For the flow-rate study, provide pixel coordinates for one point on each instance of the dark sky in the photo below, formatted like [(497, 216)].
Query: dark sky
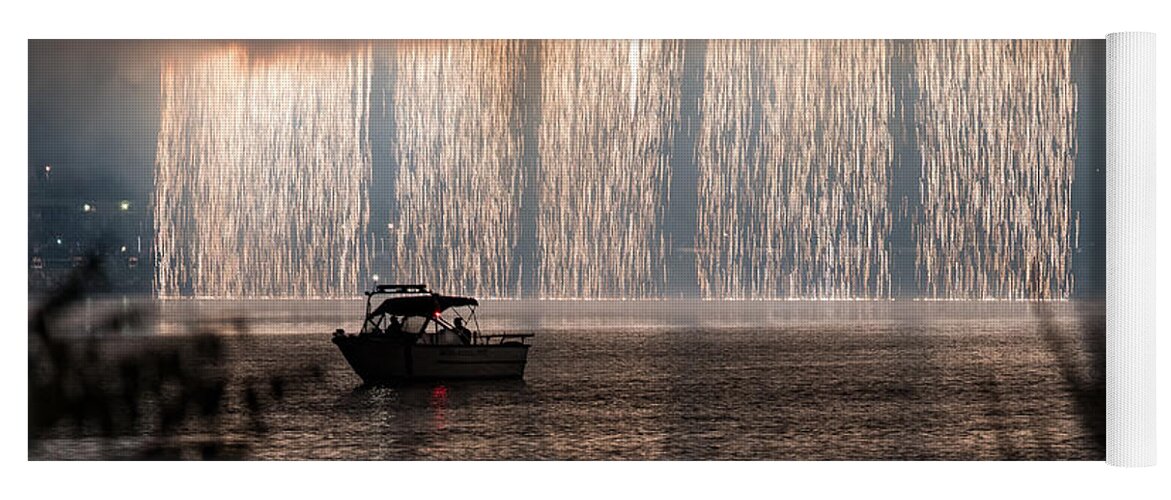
[(93, 116)]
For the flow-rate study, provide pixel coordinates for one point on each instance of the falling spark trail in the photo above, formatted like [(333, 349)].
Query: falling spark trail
[(634, 61)]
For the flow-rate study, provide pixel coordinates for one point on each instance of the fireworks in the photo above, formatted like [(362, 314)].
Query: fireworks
[(997, 137), (459, 152), (264, 168), (793, 154), (604, 165), (261, 174)]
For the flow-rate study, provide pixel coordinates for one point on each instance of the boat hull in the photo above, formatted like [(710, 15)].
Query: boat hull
[(380, 360)]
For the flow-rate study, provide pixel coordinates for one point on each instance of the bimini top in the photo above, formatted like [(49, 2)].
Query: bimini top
[(421, 305)]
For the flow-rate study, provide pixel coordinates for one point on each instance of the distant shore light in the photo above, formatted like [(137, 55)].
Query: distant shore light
[(87, 208), (124, 205)]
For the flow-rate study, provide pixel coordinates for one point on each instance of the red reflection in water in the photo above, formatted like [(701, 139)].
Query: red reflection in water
[(439, 406)]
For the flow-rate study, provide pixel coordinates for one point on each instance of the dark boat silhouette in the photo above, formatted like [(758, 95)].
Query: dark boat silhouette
[(406, 338)]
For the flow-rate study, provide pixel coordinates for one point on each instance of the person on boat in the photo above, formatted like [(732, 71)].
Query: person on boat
[(464, 333), (395, 327)]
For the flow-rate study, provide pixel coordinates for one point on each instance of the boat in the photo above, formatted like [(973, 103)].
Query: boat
[(406, 337)]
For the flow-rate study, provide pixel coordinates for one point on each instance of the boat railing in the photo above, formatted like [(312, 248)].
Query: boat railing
[(505, 337)]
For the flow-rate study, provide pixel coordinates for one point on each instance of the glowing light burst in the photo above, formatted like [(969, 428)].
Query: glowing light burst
[(261, 173)]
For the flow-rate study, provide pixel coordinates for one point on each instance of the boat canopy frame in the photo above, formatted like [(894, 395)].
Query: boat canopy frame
[(417, 301)]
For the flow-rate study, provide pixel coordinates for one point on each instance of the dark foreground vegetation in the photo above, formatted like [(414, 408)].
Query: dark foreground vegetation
[(133, 395)]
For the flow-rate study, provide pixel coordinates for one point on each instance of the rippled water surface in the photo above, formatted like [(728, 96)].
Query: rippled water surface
[(774, 380)]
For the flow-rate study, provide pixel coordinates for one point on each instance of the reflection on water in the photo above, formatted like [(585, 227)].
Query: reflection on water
[(913, 383), (438, 405)]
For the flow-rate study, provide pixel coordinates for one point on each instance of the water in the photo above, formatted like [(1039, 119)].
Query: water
[(645, 380)]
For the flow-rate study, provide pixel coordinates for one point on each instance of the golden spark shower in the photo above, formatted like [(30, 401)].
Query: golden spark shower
[(998, 142), (846, 169), (459, 156), (604, 166), (261, 173), (793, 152)]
